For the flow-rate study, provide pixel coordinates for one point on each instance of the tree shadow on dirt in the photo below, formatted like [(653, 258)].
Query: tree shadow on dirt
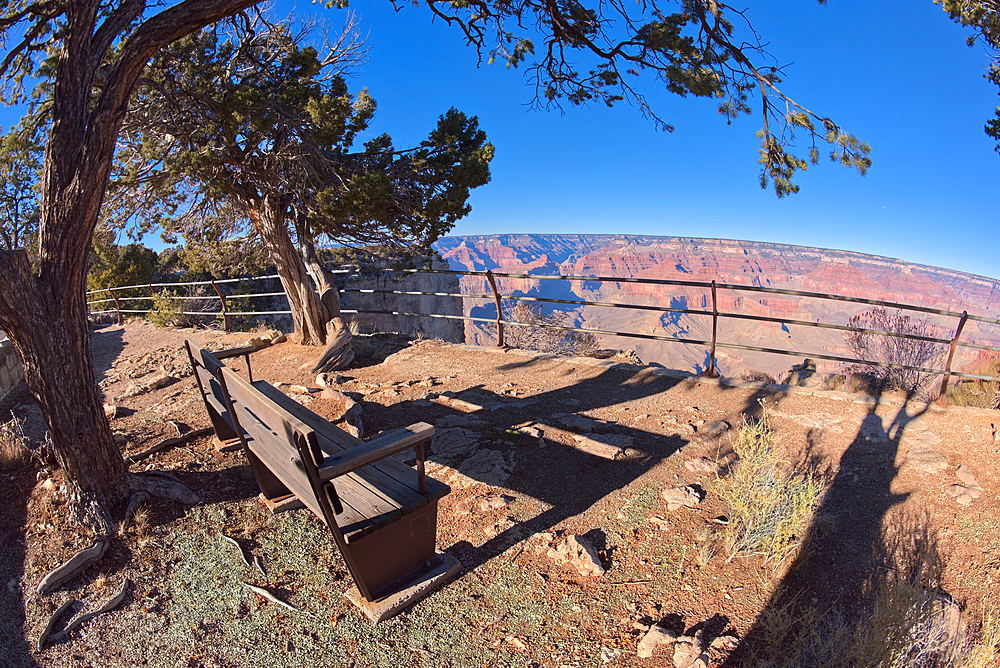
[(567, 480), (16, 652), (843, 551)]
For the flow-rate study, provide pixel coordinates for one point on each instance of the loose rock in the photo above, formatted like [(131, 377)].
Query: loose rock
[(486, 466), (701, 465), (577, 552), (655, 637), (677, 497)]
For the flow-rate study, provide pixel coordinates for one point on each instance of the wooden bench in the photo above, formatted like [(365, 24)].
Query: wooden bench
[(382, 514), (205, 366)]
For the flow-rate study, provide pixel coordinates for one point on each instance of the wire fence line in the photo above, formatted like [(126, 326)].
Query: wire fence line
[(953, 342)]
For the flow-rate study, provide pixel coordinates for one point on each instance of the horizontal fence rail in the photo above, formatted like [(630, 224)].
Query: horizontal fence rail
[(118, 295)]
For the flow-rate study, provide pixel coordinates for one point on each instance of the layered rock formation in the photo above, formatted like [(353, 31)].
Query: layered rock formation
[(741, 263)]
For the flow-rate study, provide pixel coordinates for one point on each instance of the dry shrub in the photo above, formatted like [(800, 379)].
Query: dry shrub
[(978, 393), (543, 331), (879, 346), (14, 451), (904, 620), (770, 506)]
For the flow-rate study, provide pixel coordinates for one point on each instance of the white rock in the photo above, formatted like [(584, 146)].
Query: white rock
[(578, 553), (925, 459), (448, 444), (656, 637), (701, 465), (965, 475), (686, 651), (678, 497), (490, 467)]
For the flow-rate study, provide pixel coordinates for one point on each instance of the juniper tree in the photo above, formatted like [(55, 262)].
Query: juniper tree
[(252, 118)]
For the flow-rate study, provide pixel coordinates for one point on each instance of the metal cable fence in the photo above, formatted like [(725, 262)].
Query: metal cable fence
[(712, 288)]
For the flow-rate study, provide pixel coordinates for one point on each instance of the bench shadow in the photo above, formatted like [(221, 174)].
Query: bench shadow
[(566, 479)]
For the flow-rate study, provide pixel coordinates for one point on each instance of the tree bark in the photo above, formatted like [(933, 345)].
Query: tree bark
[(310, 313), (44, 313)]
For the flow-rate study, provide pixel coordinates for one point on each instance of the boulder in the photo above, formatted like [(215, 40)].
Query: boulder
[(578, 553)]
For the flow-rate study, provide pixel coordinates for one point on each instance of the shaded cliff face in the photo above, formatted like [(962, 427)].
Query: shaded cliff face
[(724, 261)]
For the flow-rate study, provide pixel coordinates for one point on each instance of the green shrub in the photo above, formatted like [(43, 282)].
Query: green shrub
[(166, 311), (770, 507)]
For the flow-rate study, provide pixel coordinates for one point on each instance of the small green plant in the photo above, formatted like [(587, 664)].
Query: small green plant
[(14, 451), (166, 309), (770, 507)]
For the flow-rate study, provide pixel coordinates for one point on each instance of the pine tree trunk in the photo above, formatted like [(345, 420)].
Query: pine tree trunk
[(309, 313), (50, 332), (338, 354)]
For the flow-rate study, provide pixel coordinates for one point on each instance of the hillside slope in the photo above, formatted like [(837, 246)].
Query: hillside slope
[(724, 261)]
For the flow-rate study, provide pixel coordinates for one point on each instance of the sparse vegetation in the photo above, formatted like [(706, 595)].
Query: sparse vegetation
[(169, 310), (878, 346), (758, 376), (978, 393), (908, 622), (14, 451), (770, 506), (537, 331)]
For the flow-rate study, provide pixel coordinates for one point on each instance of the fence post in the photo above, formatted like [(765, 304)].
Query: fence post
[(942, 399), (118, 305), (225, 311), (496, 297), (712, 371)]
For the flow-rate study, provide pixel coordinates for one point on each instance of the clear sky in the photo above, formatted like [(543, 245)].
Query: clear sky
[(899, 75)]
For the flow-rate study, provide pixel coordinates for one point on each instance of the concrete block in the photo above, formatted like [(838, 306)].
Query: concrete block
[(441, 570), (281, 504)]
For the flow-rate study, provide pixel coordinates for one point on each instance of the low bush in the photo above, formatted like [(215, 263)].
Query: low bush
[(538, 331), (770, 506), (14, 450), (878, 346), (978, 393)]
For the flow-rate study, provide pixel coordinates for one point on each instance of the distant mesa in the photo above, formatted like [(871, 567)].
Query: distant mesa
[(753, 263)]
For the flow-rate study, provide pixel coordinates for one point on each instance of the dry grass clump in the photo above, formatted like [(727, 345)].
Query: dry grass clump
[(978, 393), (14, 451), (907, 623), (770, 506)]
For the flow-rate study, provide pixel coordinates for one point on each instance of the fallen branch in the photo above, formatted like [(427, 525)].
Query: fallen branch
[(52, 622), (274, 599), (107, 607), (167, 443), (77, 563), (239, 547)]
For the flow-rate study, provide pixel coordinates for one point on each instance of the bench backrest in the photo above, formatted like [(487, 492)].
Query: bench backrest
[(285, 444)]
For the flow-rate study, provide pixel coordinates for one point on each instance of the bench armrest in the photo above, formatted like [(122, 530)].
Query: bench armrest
[(233, 352), (384, 446)]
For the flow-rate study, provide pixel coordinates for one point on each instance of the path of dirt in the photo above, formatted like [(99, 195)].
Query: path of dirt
[(512, 606)]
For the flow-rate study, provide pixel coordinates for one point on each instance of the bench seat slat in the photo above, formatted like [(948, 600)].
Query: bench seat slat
[(398, 478)]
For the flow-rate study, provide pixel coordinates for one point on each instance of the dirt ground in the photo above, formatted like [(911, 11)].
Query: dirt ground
[(186, 604)]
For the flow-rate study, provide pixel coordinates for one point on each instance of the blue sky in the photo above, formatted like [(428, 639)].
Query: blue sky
[(898, 75)]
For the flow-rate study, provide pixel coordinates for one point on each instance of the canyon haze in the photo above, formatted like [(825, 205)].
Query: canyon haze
[(749, 263)]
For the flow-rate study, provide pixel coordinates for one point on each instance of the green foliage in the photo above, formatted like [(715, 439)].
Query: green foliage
[(20, 167), (166, 310), (260, 125), (983, 16), (769, 507)]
